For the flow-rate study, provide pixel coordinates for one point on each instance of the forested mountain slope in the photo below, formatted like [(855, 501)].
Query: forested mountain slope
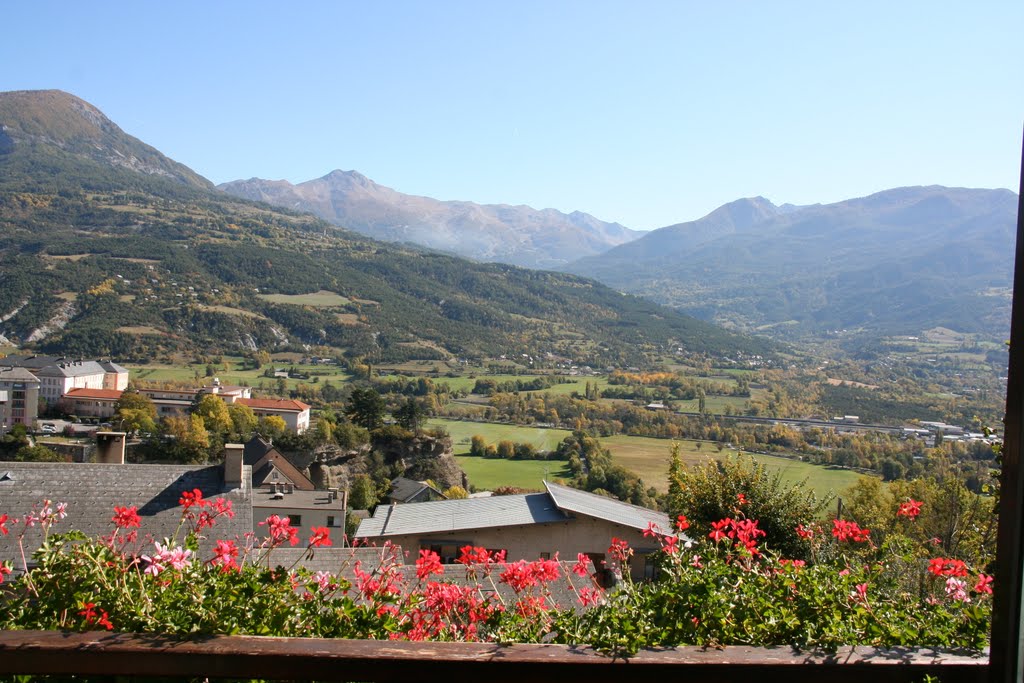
[(898, 261), (109, 248)]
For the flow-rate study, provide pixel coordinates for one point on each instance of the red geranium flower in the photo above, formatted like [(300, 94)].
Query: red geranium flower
[(912, 508), (3, 524), (429, 563), (943, 566), (682, 524), (281, 530), (849, 531), (191, 498), (984, 584), (126, 517), (321, 537), (718, 529)]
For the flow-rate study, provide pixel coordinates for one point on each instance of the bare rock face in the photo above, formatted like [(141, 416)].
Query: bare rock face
[(420, 457)]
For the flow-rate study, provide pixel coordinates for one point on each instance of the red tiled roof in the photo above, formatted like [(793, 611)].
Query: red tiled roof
[(274, 404), (108, 394)]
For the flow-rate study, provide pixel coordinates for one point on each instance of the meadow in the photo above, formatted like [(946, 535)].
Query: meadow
[(232, 371), (647, 457), (321, 299)]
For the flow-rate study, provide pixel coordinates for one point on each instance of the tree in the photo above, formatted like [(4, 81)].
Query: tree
[(477, 446), (214, 413), (411, 415), (191, 439), (362, 494), (366, 408), (135, 412), (506, 449), (243, 420), (37, 454), (453, 492), (712, 491), (272, 426), (324, 431)]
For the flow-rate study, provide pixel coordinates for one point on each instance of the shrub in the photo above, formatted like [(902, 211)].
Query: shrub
[(720, 489)]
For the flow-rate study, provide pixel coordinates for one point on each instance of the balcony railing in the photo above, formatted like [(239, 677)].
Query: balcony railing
[(123, 654)]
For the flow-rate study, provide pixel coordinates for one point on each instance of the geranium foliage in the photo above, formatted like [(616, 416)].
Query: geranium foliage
[(721, 586)]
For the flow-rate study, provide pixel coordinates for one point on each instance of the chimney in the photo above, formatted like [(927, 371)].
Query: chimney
[(233, 462), (110, 447)]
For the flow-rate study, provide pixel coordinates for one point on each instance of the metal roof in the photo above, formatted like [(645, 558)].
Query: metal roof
[(456, 515), (574, 501)]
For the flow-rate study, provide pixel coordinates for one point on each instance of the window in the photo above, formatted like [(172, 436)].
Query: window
[(295, 520), (330, 521)]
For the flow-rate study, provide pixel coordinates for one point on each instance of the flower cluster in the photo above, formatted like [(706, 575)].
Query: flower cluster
[(521, 575), (743, 532), (911, 509), (728, 587), (126, 517), (281, 530), (844, 530), (942, 566), (203, 513)]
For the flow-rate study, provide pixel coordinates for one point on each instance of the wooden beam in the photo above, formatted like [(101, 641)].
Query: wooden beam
[(1007, 645), (124, 654)]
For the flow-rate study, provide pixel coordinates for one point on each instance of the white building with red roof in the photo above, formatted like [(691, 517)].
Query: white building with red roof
[(91, 402), (294, 413)]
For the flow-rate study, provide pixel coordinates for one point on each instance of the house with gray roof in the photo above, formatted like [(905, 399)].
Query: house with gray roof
[(91, 490), (560, 520), (405, 490)]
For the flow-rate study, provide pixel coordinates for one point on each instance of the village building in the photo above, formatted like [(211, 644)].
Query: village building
[(405, 490), (561, 520), (19, 398), (101, 403), (294, 413), (59, 375)]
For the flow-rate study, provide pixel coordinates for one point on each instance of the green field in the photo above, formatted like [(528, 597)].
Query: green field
[(321, 299), (647, 457), (486, 474), (466, 383), (463, 432), (713, 404), (229, 372)]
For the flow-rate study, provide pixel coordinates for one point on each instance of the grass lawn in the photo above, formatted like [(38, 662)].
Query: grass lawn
[(484, 473), (463, 432)]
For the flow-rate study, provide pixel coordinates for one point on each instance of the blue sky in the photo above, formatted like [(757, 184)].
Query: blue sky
[(645, 113)]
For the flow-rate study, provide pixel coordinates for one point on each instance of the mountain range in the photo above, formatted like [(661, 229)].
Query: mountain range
[(896, 262), (519, 235), (109, 248)]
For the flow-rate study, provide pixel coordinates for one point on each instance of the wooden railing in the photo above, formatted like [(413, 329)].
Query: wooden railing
[(123, 654)]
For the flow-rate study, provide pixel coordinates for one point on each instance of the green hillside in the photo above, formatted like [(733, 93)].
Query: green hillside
[(106, 256)]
